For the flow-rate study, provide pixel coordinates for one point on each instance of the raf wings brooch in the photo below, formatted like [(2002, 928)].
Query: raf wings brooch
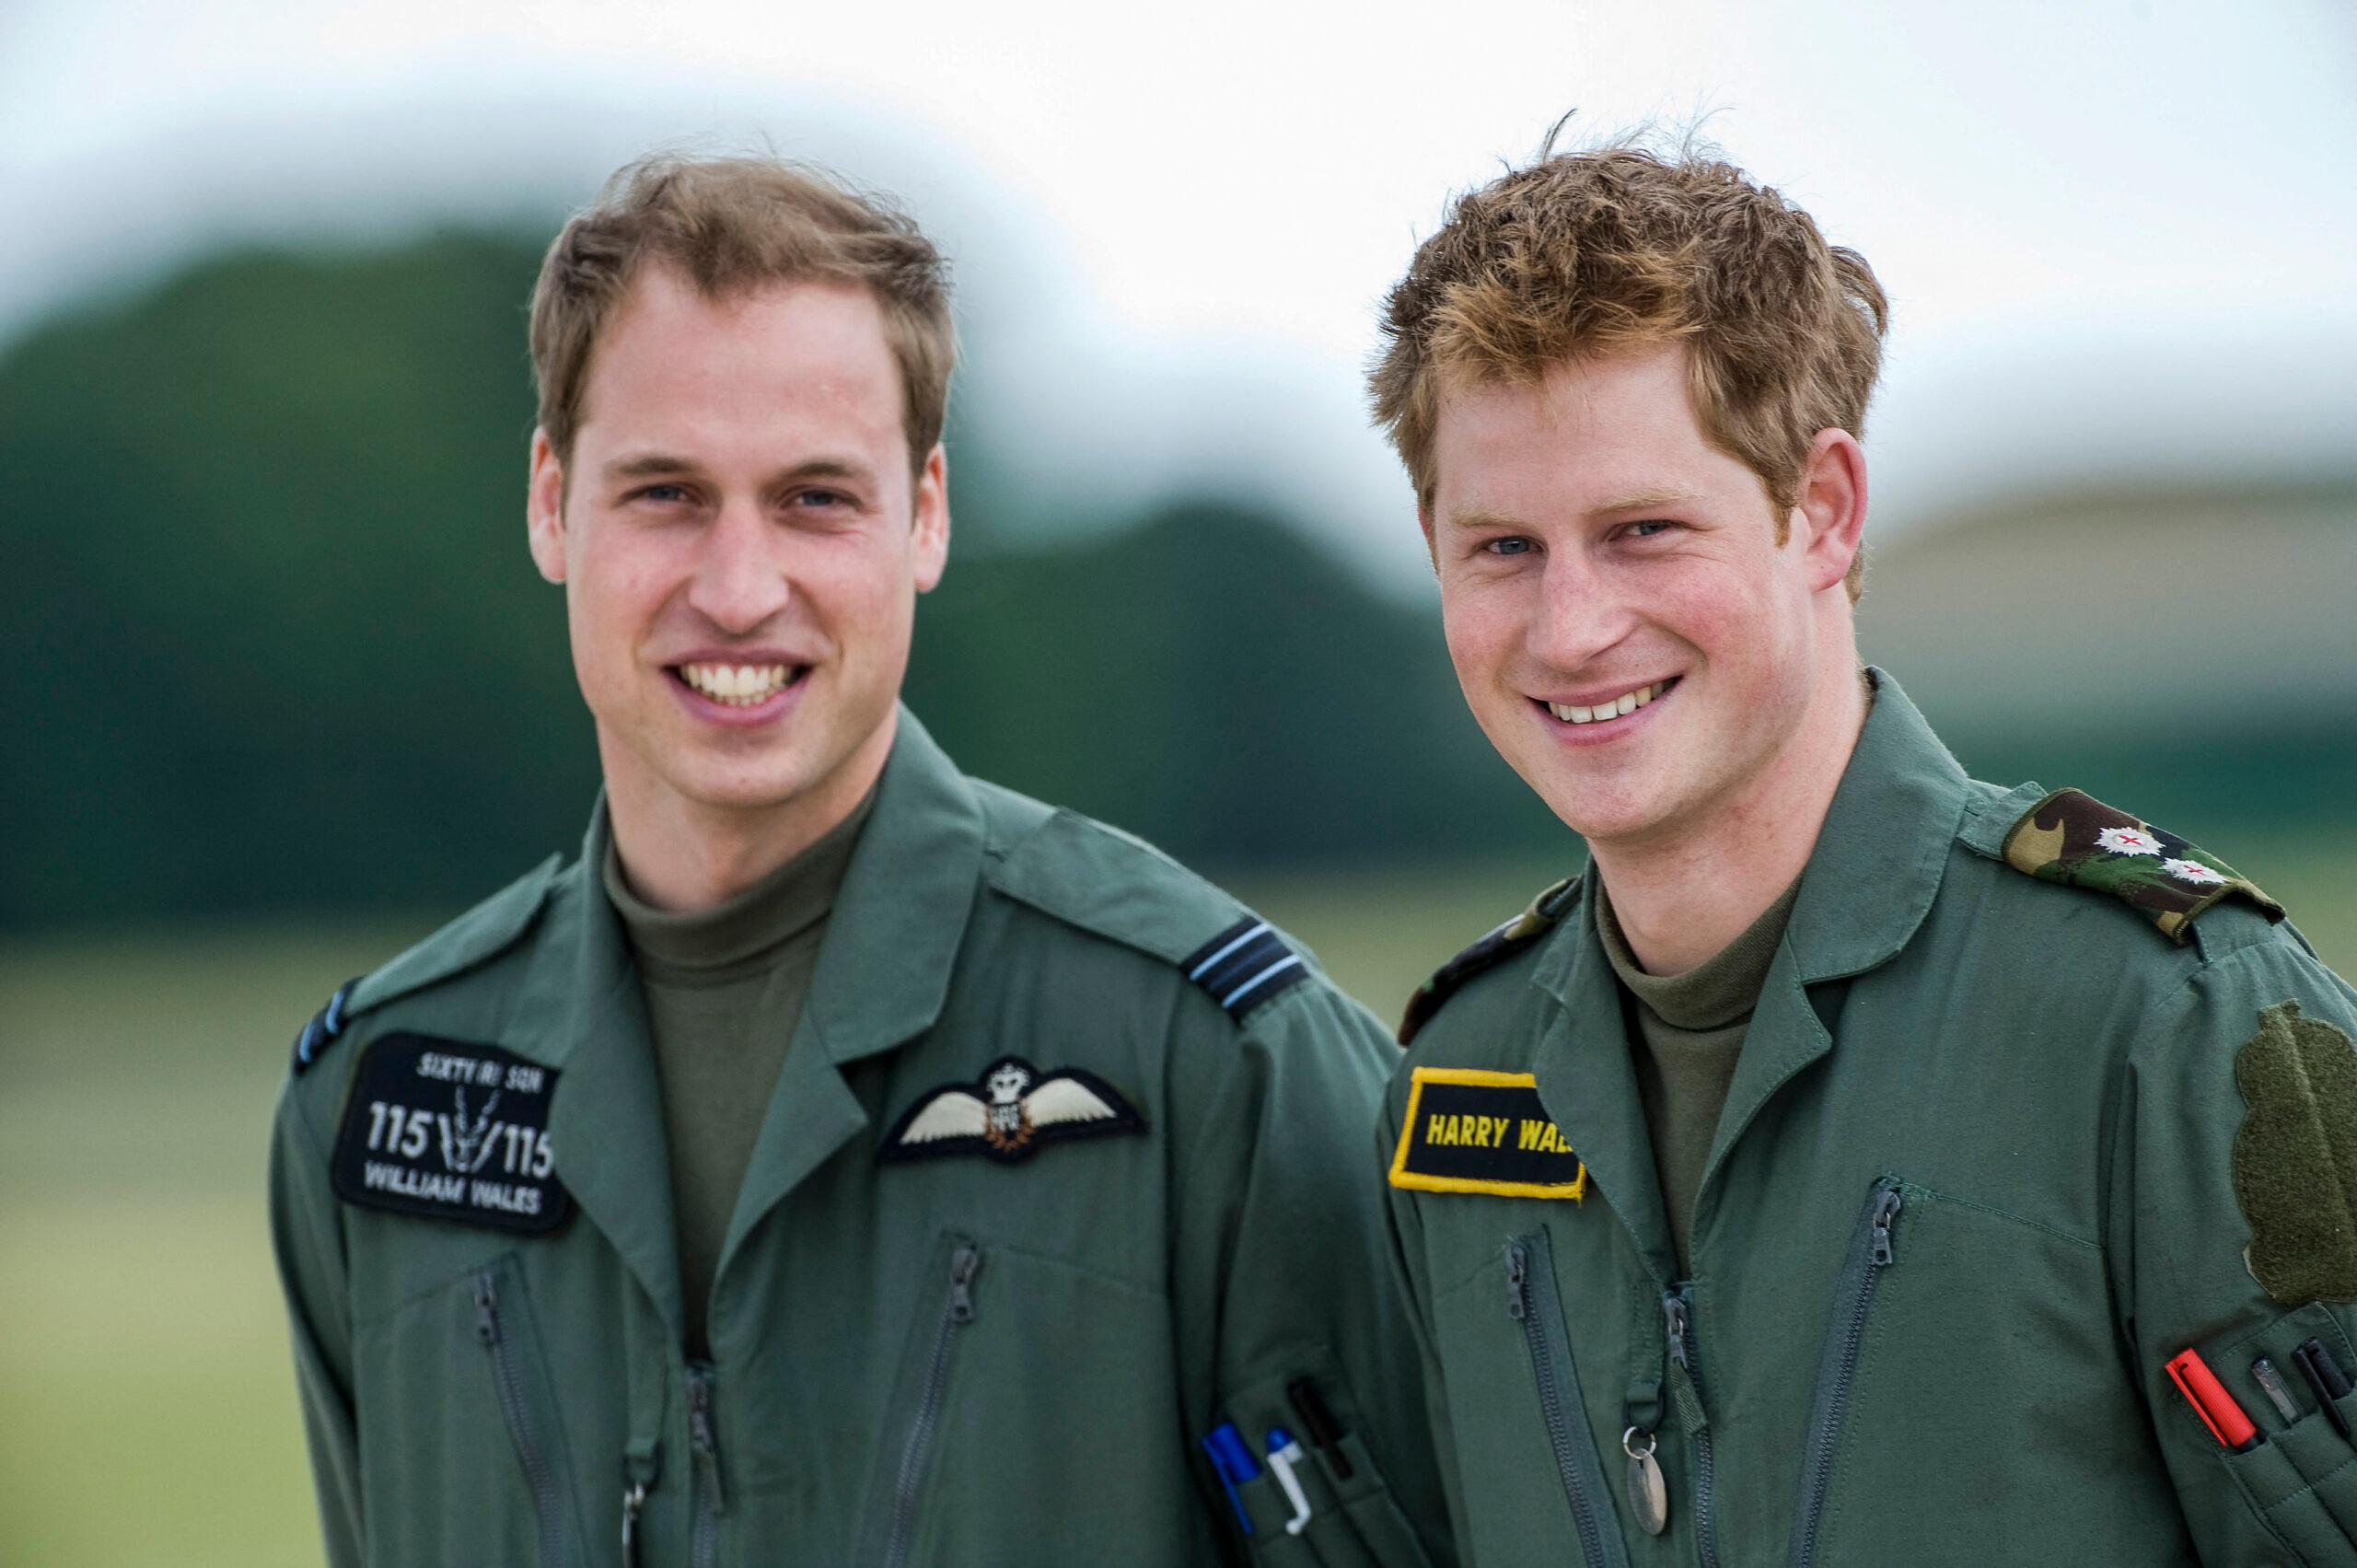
[(1009, 1113)]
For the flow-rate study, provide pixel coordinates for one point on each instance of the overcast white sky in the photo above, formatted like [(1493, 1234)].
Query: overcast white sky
[(2118, 233)]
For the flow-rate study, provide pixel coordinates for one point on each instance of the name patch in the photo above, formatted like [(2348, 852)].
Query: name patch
[(452, 1131), (1468, 1130)]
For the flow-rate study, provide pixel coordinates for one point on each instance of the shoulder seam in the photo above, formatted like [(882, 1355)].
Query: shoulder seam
[(1494, 951), (530, 892)]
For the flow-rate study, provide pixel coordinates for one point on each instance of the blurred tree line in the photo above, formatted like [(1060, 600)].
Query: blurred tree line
[(275, 646)]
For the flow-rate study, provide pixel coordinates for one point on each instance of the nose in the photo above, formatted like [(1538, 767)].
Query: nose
[(741, 575), (1581, 613)]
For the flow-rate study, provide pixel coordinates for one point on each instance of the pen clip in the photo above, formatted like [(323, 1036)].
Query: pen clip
[(1283, 1455)]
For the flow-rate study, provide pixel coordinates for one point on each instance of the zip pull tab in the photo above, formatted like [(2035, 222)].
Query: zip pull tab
[(1886, 1211), (704, 1437), (1648, 1493), (1517, 1288), (641, 1463), (1673, 1316), (633, 1500), (963, 1263), (486, 1310)]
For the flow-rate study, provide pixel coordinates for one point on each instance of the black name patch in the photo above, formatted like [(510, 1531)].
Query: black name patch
[(1468, 1130), (452, 1131)]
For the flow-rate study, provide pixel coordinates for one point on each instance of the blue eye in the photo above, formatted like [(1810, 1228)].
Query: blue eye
[(1648, 529), (1513, 544)]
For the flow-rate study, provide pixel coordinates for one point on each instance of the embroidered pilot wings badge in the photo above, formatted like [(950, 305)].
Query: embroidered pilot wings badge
[(1009, 1113)]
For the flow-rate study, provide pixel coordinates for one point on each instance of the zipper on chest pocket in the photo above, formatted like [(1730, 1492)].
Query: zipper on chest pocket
[(507, 1382), (1873, 1249), (957, 1311), (1693, 1412), (1532, 1304)]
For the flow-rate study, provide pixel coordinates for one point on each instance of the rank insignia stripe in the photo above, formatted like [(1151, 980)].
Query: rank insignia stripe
[(1244, 966), (450, 1130), (322, 1028), (1008, 1114), (1472, 1130)]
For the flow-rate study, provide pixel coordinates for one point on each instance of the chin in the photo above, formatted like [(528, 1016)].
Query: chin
[(1601, 815), (737, 791)]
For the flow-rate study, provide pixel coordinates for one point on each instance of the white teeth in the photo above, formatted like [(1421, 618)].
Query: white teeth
[(1626, 704), (737, 685)]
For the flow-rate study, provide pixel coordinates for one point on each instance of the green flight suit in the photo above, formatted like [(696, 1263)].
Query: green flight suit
[(1975, 1183), (940, 1334)]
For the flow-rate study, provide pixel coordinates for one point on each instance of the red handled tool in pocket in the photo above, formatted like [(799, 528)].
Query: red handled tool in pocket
[(2211, 1401)]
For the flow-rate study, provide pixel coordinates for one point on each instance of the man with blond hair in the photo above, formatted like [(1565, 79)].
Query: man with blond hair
[(844, 1160), (1856, 1164)]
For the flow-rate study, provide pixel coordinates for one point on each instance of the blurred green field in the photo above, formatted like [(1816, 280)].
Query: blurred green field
[(150, 1411)]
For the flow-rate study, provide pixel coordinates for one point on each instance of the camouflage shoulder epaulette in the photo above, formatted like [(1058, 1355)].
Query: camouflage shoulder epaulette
[(1492, 950), (2078, 841)]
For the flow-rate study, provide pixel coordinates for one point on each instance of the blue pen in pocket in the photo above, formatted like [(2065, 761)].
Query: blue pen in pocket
[(1232, 1457)]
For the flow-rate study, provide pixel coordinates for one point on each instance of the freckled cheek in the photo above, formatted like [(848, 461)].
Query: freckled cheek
[(1479, 637), (1706, 610)]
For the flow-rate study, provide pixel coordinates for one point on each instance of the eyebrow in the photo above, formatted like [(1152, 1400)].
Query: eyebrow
[(645, 465), (1644, 500), (639, 464), (1635, 501), (1481, 517)]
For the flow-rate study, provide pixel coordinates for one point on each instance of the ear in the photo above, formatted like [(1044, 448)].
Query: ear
[(1829, 517), (544, 509), (932, 522)]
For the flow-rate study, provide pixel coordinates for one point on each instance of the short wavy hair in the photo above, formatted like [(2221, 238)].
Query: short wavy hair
[(730, 225), (1585, 254)]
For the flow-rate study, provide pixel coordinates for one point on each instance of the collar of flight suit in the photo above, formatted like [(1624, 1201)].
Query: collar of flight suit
[(883, 970), (1869, 882)]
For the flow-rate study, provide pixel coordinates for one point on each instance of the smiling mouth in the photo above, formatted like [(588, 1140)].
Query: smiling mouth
[(737, 685), (1614, 708)]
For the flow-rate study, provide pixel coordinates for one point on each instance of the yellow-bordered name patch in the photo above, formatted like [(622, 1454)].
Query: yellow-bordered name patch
[(1468, 1130)]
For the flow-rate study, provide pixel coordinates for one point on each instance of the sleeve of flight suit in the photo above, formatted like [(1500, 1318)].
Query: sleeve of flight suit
[(307, 1240), (1404, 1247), (1286, 1295), (2235, 1183)]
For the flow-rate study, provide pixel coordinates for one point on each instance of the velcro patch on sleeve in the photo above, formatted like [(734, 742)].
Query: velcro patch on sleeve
[(450, 1131), (2296, 1157), (1469, 1130)]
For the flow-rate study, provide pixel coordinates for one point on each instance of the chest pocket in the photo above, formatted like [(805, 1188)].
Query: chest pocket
[(1958, 1330), (1526, 1454), (1023, 1377), (462, 1458)]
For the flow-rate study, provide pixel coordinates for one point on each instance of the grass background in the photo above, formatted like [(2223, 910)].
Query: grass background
[(149, 1407)]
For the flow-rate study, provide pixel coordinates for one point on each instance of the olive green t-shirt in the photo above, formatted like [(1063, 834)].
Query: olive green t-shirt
[(1689, 1028), (725, 988)]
